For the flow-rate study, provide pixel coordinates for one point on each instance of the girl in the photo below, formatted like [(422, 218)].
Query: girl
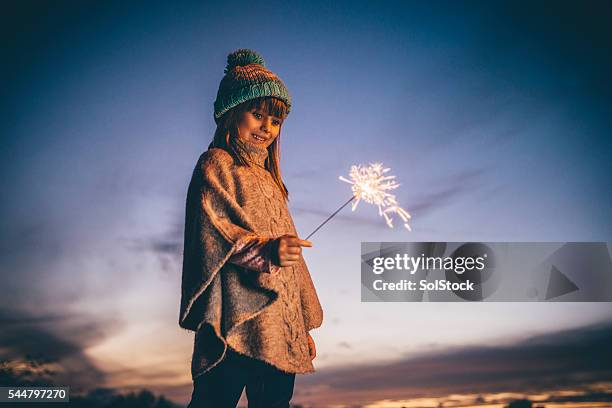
[(246, 290)]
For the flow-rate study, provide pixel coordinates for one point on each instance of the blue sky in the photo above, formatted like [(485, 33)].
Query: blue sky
[(495, 119)]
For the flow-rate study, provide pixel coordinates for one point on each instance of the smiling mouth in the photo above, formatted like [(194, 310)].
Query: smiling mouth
[(258, 138)]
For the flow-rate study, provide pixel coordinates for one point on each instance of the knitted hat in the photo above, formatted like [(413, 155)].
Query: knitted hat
[(246, 78)]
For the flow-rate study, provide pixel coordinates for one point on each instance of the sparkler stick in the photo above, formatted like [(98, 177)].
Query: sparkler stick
[(330, 217), (372, 185)]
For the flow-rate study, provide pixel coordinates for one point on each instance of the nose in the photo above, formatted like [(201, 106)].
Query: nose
[(265, 125)]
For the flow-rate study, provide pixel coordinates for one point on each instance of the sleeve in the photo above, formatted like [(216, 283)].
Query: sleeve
[(258, 254)]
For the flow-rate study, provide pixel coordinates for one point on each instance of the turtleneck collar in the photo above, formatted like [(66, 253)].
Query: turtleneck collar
[(250, 153)]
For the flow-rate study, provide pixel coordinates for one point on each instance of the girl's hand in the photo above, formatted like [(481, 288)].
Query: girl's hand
[(311, 347), (289, 249)]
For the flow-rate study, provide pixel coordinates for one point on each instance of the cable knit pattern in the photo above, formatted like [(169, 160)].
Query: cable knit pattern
[(262, 315)]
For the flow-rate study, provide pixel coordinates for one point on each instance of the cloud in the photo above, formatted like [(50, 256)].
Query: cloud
[(167, 247), (60, 340), (344, 344), (454, 186), (442, 194), (573, 359), (339, 217)]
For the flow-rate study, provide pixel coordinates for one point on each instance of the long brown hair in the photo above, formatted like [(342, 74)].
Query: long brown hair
[(227, 128)]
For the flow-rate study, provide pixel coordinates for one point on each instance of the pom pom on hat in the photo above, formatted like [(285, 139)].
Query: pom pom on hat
[(243, 57)]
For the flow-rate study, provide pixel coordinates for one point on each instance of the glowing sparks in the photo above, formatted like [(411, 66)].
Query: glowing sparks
[(372, 185)]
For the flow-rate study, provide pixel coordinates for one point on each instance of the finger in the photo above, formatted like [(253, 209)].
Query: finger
[(296, 250), (304, 243), (292, 241)]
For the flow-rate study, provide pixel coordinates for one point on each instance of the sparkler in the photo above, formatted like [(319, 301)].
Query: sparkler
[(372, 185)]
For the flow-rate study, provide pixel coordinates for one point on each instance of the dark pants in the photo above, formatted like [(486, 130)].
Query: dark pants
[(221, 387)]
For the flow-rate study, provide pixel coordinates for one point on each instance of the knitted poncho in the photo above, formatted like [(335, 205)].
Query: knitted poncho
[(263, 315)]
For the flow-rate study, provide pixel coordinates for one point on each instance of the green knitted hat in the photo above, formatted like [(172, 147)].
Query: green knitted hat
[(246, 78)]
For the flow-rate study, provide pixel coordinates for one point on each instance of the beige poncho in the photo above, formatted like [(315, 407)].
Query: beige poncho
[(263, 315)]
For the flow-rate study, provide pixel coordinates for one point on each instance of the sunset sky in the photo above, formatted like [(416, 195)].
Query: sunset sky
[(494, 118)]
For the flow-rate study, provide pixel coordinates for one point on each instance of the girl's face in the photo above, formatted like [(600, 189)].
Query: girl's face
[(255, 126)]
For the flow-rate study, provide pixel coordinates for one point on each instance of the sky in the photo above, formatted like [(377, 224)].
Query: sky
[(494, 116)]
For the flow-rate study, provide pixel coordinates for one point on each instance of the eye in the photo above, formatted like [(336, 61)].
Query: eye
[(276, 122), (257, 115)]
